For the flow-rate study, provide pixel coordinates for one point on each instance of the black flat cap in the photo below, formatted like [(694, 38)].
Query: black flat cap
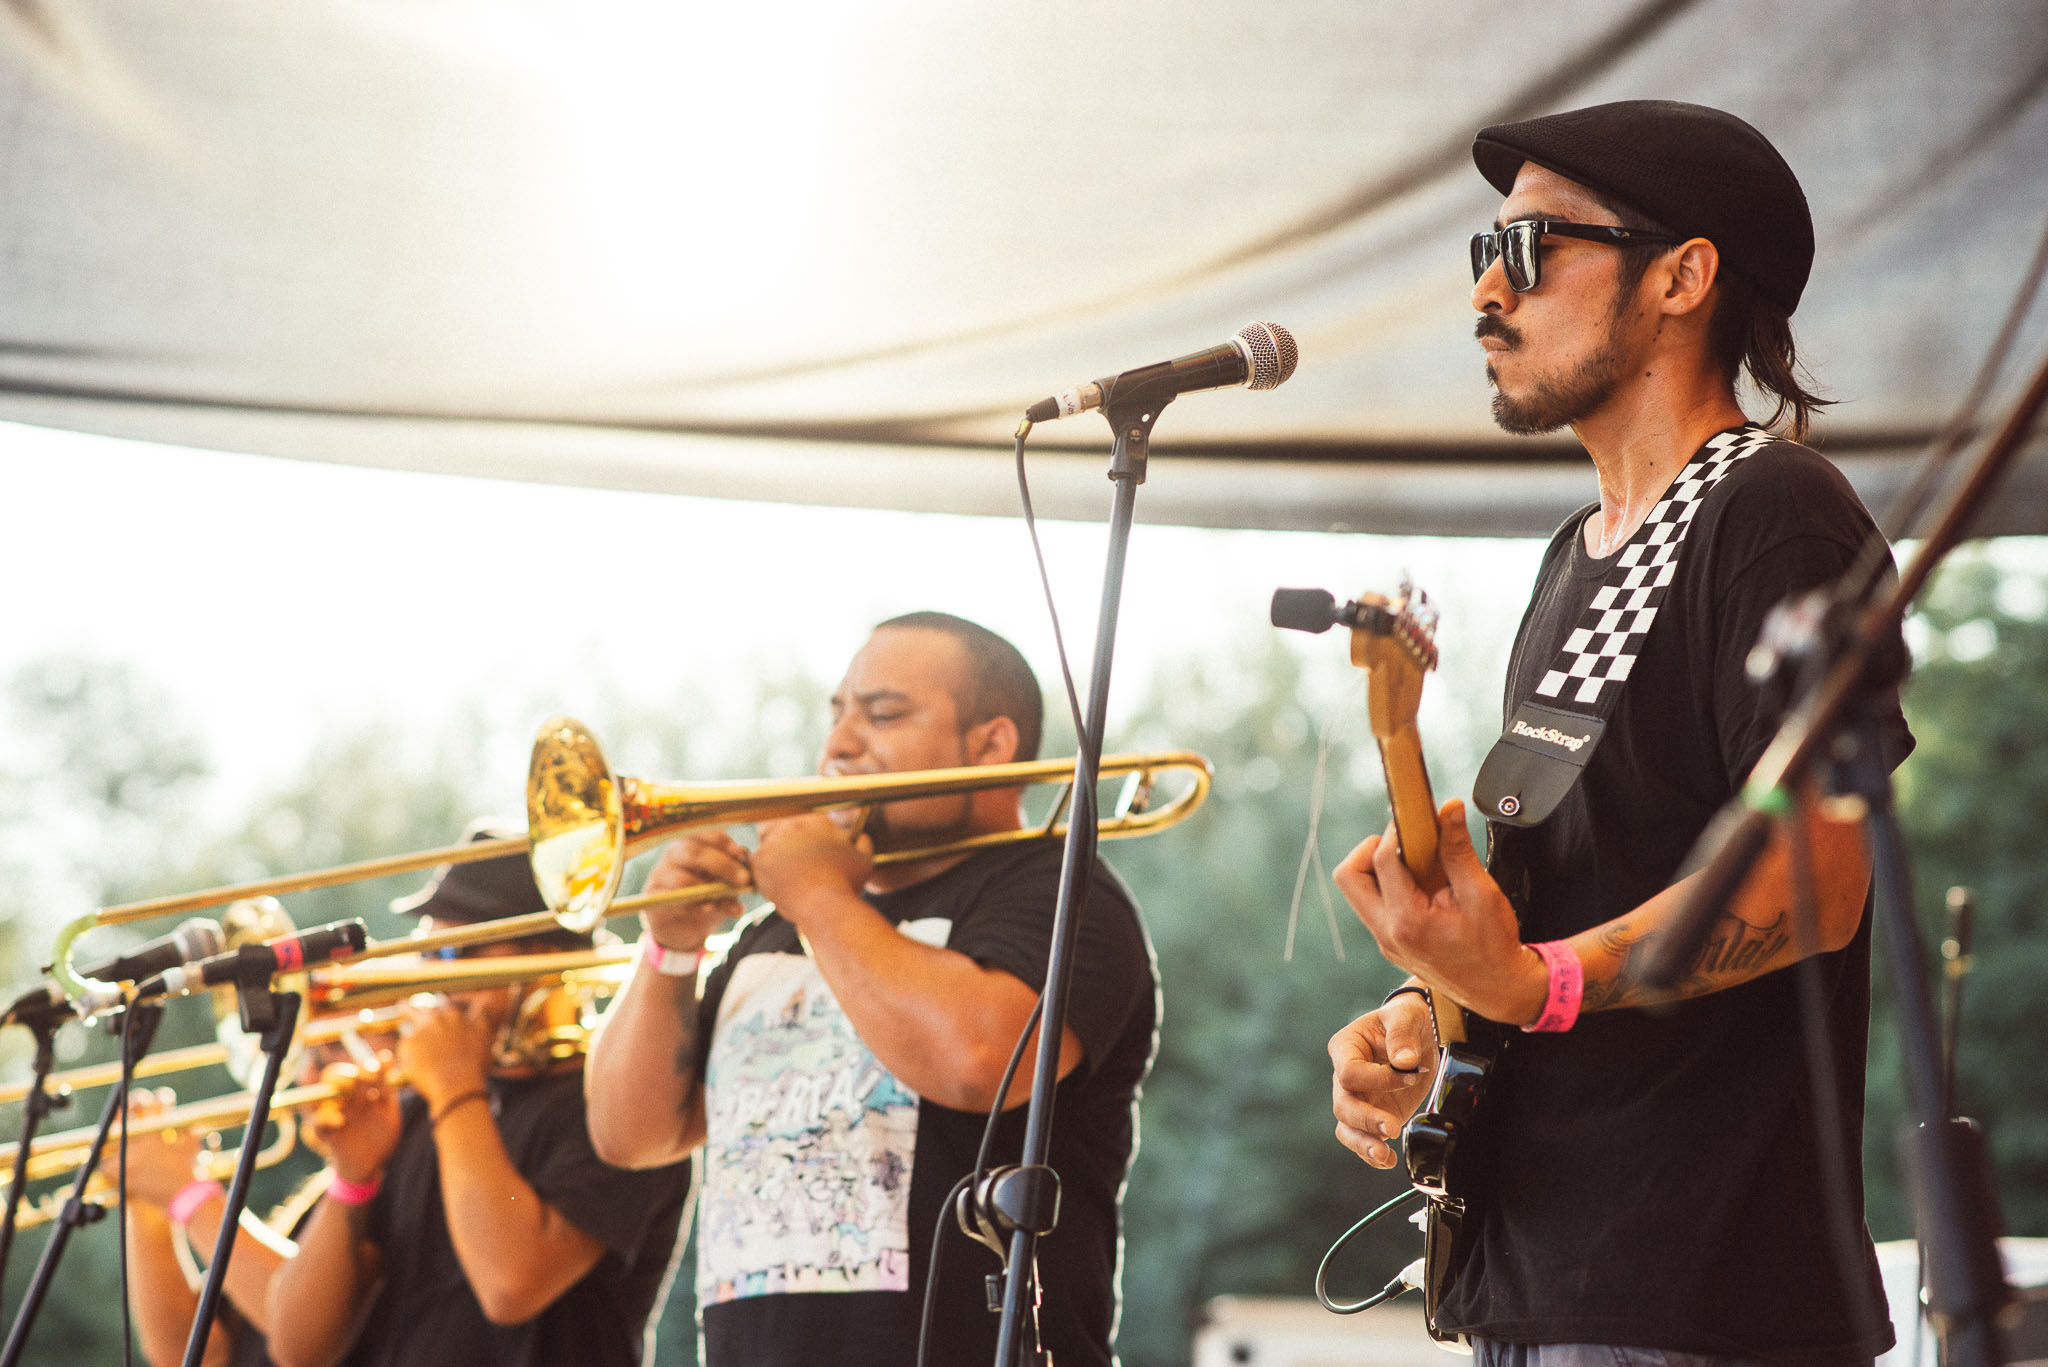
[(481, 890), (1697, 171)]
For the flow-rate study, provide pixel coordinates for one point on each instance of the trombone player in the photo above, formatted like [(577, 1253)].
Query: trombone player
[(468, 1221), (837, 1060), (174, 1207)]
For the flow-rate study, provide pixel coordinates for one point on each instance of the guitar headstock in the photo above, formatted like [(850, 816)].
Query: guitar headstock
[(1394, 641)]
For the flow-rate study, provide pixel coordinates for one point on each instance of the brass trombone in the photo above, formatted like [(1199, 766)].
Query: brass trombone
[(350, 995), (583, 823), (350, 999)]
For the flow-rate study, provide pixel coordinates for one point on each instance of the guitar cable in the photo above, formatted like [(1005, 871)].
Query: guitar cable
[(1408, 1279)]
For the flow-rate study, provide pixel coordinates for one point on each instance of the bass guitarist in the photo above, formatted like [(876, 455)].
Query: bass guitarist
[(1641, 1186)]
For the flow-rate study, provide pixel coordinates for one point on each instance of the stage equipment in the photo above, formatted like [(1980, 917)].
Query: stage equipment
[(1260, 356), (584, 823), (356, 1000)]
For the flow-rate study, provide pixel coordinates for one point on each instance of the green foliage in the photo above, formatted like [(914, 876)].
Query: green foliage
[(94, 784), (1974, 800), (1239, 1185)]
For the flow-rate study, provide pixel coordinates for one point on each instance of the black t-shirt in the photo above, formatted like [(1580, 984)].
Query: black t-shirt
[(823, 1176), (426, 1311), (1652, 1178)]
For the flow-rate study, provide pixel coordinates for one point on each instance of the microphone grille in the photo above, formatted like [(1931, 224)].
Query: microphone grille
[(1311, 610), (199, 938), (1272, 351)]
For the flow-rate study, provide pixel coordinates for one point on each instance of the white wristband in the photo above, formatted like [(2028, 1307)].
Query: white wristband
[(671, 963)]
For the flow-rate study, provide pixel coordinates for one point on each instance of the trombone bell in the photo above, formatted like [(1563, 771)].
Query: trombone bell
[(575, 824)]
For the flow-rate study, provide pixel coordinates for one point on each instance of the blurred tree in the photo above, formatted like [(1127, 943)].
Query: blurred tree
[(96, 780), (1240, 1185), (95, 786), (1974, 799)]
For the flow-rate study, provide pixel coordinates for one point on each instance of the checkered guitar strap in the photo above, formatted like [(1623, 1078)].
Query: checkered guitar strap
[(1551, 736)]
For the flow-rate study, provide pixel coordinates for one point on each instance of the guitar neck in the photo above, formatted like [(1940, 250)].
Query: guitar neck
[(1414, 805)]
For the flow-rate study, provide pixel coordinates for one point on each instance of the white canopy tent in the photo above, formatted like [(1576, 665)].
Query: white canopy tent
[(826, 253)]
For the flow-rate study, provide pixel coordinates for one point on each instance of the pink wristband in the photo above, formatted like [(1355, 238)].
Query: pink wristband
[(671, 963), (349, 1193), (1567, 987), (191, 1197)]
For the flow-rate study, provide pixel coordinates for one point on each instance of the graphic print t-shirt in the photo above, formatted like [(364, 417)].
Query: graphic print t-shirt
[(823, 1176), (812, 1139)]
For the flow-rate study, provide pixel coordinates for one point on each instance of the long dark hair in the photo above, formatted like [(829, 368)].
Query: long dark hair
[(1750, 332), (1747, 334)]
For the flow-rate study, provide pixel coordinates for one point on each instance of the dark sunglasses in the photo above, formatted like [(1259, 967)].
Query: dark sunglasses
[(1516, 246)]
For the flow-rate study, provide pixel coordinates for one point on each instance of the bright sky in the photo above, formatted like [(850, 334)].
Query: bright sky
[(280, 601)]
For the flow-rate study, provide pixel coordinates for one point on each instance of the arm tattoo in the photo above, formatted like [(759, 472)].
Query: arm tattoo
[(1735, 950), (1734, 946), (1619, 947)]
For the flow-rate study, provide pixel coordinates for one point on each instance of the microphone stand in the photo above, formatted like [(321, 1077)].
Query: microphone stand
[(1026, 1202), (275, 1017), (42, 1014), (1955, 1203), (1955, 955), (143, 1018)]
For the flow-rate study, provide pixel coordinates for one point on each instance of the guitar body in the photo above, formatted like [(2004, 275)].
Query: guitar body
[(1427, 1143)]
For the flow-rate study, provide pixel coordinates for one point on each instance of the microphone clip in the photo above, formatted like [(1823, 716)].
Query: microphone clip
[(254, 984), (1130, 425), (40, 1008), (1005, 1200)]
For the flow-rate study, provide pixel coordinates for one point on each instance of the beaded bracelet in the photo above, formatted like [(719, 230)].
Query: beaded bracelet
[(1417, 988), (1567, 987), (449, 1107)]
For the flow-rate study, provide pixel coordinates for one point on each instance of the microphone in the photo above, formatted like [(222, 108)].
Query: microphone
[(286, 954), (1316, 611), (1261, 356), (195, 939), (1311, 610)]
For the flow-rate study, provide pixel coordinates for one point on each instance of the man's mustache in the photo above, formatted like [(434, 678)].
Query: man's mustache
[(1493, 325)]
